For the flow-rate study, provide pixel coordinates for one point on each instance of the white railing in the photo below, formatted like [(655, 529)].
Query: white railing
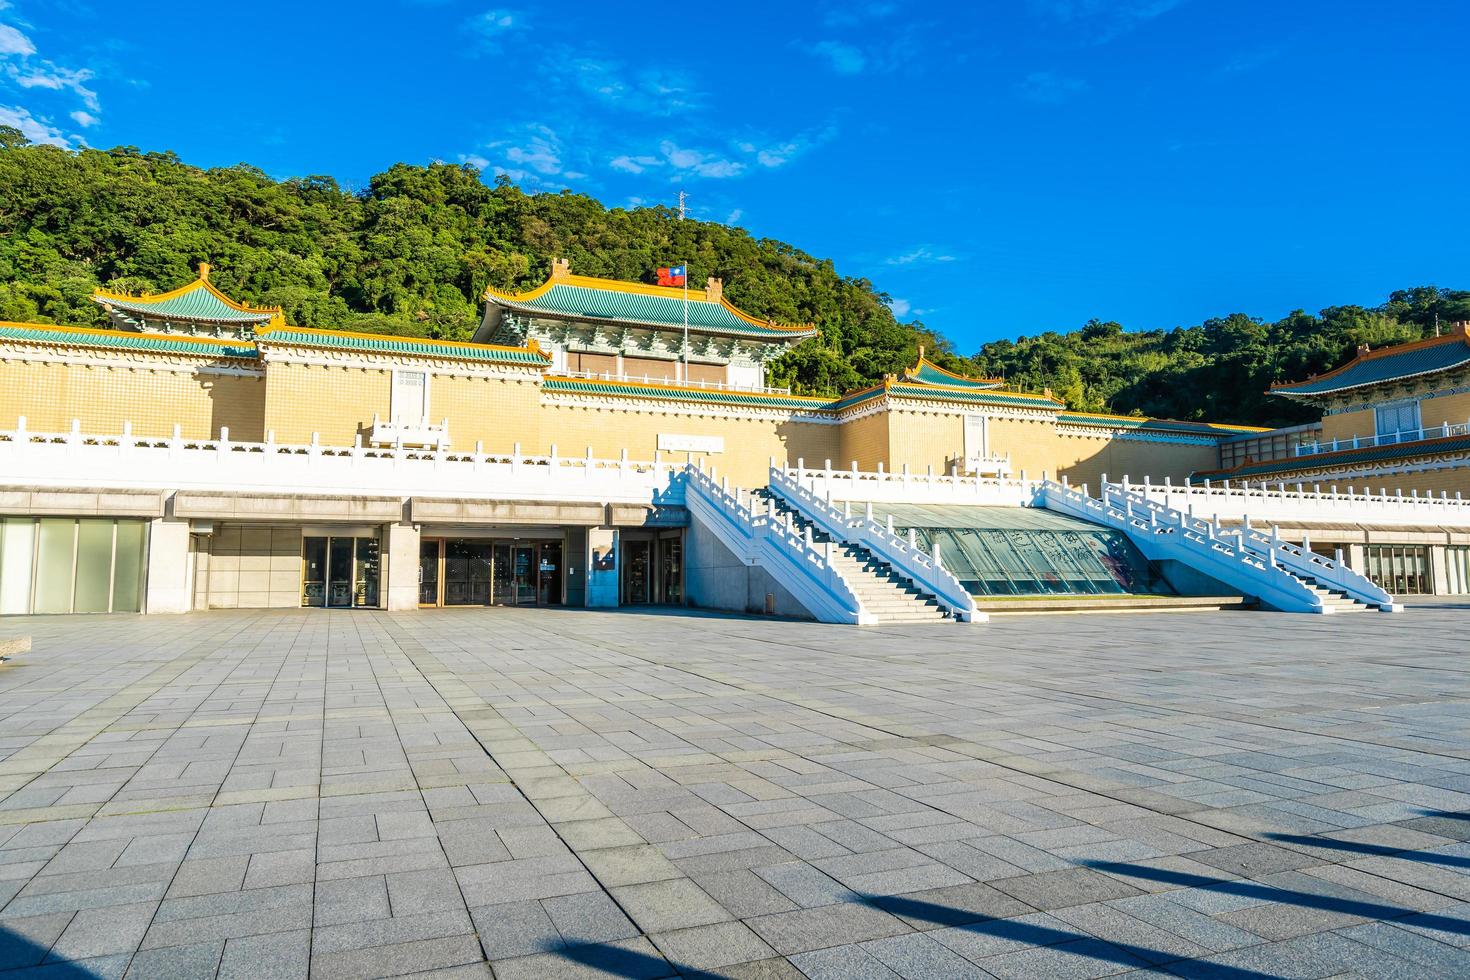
[(906, 558), (1283, 503), (1298, 559), (1201, 545), (1443, 431), (649, 379), (78, 459), (396, 432), (992, 466), (905, 487), (803, 568)]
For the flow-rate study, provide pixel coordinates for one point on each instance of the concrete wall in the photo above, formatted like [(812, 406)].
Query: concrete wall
[(252, 567), (715, 579), (1036, 447)]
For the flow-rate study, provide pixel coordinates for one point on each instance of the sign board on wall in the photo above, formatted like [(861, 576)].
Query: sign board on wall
[(669, 442)]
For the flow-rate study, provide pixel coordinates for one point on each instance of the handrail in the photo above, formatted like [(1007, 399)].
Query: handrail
[(1163, 533), (1420, 434), (760, 539), (1298, 560), (927, 572)]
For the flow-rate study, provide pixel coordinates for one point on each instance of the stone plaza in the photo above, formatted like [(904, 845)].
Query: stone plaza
[(570, 792)]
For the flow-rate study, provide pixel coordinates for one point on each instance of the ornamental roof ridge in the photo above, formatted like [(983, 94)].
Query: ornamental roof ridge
[(927, 372), (42, 333), (396, 343), (1318, 383), (147, 303), (1108, 418), (544, 299)]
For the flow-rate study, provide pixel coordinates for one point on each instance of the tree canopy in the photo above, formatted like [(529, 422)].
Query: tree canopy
[(412, 252)]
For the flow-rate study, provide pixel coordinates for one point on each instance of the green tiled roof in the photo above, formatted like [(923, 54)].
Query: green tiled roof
[(123, 340), (579, 386), (402, 345), (643, 307), (1162, 425), (978, 396), (195, 303), (930, 374), (1385, 366), (1346, 457)]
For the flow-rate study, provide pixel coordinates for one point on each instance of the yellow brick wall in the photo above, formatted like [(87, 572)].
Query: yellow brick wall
[(749, 443), (864, 439), (1361, 424), (1447, 408), (496, 412), (103, 397), (1037, 447), (921, 440), (337, 403)]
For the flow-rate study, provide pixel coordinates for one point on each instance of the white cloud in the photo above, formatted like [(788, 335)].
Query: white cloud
[(634, 164), (35, 130), (698, 162), (650, 91), (920, 255), (842, 58), (492, 26), (14, 42), (1050, 88), (83, 118), (1101, 21), (56, 79), (900, 307), (474, 160), (733, 216)]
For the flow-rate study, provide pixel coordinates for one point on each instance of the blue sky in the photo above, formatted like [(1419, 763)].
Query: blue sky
[(996, 168)]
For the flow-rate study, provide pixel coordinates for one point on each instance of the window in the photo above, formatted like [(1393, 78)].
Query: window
[(1398, 423), (66, 565), (1457, 569), (410, 397), (1399, 569)]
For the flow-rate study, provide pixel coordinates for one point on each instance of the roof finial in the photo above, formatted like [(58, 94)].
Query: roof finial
[(204, 272), (921, 352)]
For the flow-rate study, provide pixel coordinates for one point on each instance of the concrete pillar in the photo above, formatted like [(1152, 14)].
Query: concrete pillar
[(602, 567), (403, 567), (169, 587)]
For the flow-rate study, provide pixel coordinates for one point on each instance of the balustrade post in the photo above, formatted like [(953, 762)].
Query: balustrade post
[(847, 509), (224, 438), (913, 539), (178, 439), (869, 513), (827, 470), (800, 469), (552, 454), (938, 561), (623, 462), (890, 523)]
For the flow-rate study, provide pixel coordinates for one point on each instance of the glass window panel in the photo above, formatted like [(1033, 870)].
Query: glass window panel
[(94, 566), (55, 544), (314, 572), (16, 562), (129, 566), (366, 584)]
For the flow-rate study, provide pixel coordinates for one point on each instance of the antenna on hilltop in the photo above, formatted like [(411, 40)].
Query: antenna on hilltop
[(683, 211)]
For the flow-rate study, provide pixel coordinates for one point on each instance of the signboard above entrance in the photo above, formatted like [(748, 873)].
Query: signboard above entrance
[(672, 443)]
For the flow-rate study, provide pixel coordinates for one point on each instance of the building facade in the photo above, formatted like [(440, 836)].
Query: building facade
[(363, 470)]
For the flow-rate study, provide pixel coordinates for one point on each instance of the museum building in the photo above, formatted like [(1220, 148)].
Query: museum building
[(200, 452)]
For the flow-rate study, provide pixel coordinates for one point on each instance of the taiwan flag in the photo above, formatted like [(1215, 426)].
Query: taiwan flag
[(674, 275)]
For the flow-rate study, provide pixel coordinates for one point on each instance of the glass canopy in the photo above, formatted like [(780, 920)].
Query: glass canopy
[(1001, 551)]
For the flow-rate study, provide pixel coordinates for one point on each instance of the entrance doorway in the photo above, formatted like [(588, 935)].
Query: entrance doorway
[(653, 569), (340, 572), (487, 572)]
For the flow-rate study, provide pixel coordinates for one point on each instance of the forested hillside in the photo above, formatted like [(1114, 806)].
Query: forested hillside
[(412, 251)]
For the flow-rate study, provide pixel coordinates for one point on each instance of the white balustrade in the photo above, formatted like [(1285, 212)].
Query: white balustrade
[(126, 460), (905, 487), (1286, 503)]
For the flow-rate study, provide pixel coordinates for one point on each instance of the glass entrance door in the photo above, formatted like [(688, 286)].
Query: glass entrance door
[(525, 574), (549, 577), (505, 593), (637, 572), (339, 572), (466, 573), (429, 571)]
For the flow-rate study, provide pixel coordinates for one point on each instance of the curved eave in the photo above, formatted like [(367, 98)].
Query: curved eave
[(947, 378), (102, 339), (407, 346), (1455, 348), (761, 333), (905, 389), (147, 304)]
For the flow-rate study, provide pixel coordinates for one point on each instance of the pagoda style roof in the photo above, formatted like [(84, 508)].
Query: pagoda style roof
[(1160, 425), (411, 346), (1389, 364), (33, 333), (1374, 455), (929, 373), (198, 302), (566, 296)]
